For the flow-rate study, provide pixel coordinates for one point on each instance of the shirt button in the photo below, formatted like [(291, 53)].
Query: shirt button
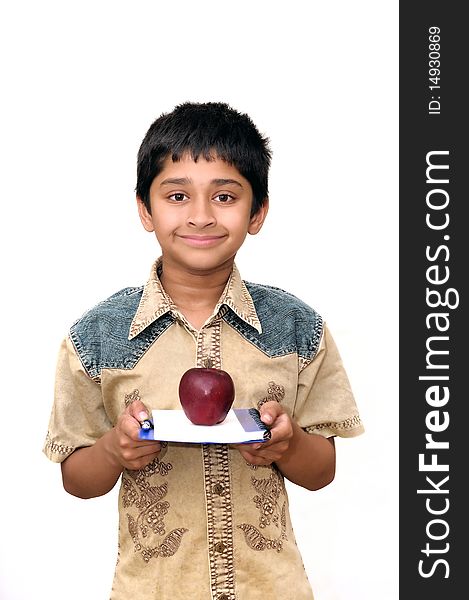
[(219, 489), (220, 547)]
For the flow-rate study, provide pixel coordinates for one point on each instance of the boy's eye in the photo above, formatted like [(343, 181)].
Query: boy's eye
[(223, 198), (178, 197)]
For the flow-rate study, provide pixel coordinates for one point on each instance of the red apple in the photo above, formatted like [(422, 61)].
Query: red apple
[(206, 395)]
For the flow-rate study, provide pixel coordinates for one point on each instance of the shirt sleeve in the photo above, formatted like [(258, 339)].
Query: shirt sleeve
[(325, 404), (78, 417)]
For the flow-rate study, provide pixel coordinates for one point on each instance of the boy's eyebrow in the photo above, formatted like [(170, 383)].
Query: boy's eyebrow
[(225, 181), (187, 181), (176, 180)]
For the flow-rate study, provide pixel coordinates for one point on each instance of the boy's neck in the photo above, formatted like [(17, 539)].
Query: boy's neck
[(196, 290)]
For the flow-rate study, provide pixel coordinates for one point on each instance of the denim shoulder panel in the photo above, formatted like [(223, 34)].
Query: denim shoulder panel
[(288, 324), (100, 335)]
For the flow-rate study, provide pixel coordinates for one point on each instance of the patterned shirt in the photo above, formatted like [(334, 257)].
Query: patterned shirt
[(200, 522)]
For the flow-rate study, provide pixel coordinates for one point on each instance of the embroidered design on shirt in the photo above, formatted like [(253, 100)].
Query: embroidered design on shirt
[(57, 448), (270, 500), (219, 519), (349, 423), (149, 501), (275, 393), (129, 398), (303, 363), (218, 498)]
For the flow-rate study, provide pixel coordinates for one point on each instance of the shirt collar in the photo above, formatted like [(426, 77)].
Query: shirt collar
[(155, 302)]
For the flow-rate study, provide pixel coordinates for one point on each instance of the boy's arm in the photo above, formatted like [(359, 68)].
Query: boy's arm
[(94, 470), (305, 459), (309, 460)]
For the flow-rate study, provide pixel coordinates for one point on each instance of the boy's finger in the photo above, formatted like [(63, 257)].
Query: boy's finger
[(281, 430), (138, 410), (270, 411), (149, 448)]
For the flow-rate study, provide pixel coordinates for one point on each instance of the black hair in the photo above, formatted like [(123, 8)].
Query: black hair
[(211, 130)]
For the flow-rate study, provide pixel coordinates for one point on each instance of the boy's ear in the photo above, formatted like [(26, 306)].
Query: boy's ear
[(145, 216), (257, 220)]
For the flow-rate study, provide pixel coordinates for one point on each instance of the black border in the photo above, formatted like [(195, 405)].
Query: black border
[(420, 133)]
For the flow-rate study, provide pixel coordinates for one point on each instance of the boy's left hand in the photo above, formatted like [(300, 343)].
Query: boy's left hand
[(281, 429)]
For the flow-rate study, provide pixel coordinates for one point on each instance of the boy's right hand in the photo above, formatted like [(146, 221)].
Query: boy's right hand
[(127, 449)]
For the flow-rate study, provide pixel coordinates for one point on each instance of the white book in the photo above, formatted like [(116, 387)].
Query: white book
[(241, 426)]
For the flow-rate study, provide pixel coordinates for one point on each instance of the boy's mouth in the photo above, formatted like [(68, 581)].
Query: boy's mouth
[(202, 240)]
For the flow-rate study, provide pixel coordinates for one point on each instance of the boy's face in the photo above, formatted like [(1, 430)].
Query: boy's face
[(200, 213)]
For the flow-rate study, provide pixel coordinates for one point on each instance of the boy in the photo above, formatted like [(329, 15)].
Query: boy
[(201, 521)]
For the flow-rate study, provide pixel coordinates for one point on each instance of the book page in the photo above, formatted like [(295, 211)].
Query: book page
[(239, 426)]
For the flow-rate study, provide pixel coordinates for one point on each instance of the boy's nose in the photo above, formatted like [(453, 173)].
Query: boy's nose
[(200, 214)]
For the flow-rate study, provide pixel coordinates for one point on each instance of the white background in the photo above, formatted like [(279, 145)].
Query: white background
[(81, 84)]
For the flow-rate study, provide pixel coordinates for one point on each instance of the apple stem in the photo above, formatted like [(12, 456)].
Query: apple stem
[(208, 363)]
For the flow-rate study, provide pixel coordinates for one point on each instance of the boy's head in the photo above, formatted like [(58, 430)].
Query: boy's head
[(209, 130)]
